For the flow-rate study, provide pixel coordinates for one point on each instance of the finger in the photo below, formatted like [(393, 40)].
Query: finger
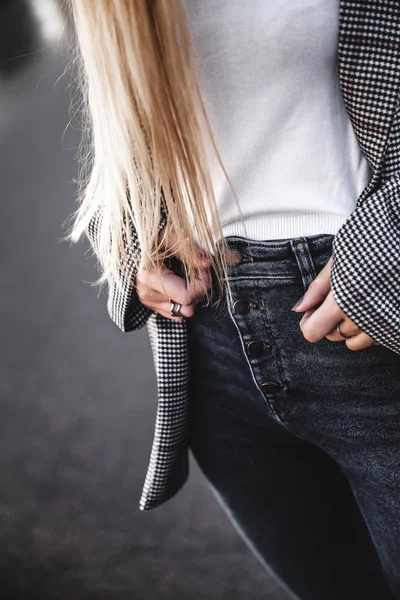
[(153, 298), (359, 342), (170, 285), (317, 290), (322, 320), (187, 292), (347, 328), (307, 314), (334, 336), (165, 309), (148, 295)]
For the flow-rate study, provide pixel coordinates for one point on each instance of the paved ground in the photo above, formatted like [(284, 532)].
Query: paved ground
[(78, 396)]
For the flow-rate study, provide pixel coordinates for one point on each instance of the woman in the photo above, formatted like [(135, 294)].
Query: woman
[(246, 154)]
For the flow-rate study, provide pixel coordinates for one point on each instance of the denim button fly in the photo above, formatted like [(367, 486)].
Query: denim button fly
[(257, 347), (233, 257), (271, 387), (241, 307)]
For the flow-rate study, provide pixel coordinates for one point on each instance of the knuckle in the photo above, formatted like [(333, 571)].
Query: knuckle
[(143, 298), (141, 291), (179, 298), (143, 278), (140, 279), (189, 298), (185, 298), (145, 293), (316, 282), (310, 336), (190, 310)]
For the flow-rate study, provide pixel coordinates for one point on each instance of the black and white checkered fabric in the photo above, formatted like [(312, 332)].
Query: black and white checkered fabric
[(365, 274), (365, 268)]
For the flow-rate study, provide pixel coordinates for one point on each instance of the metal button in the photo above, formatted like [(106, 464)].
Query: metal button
[(233, 257), (257, 346), (271, 387), (241, 307)]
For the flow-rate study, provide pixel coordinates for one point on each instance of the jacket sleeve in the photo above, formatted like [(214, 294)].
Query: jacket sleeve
[(123, 304), (365, 274)]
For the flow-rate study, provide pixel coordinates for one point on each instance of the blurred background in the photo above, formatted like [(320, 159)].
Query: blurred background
[(78, 397)]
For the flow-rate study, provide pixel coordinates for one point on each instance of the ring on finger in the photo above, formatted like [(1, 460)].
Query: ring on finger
[(176, 309), (342, 334)]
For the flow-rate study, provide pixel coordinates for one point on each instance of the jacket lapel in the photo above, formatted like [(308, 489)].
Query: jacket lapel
[(369, 71)]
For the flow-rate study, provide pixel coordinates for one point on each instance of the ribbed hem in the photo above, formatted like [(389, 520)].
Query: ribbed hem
[(285, 225)]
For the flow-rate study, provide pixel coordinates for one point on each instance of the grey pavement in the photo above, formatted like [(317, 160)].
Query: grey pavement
[(78, 397)]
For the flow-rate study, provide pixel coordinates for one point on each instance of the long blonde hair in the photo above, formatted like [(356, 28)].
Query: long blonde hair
[(147, 139)]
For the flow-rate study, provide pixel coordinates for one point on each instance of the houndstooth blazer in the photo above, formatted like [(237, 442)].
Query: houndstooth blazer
[(365, 274)]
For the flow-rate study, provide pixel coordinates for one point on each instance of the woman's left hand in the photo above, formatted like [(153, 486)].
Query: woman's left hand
[(322, 313)]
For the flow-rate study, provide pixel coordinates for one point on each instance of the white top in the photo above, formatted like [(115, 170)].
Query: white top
[(269, 79)]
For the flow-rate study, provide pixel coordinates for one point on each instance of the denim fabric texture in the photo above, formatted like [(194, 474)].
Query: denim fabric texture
[(299, 441)]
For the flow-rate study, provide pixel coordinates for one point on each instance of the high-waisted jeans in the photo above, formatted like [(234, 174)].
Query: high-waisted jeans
[(299, 441)]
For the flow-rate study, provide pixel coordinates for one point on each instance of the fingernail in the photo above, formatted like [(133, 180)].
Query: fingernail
[(298, 303)]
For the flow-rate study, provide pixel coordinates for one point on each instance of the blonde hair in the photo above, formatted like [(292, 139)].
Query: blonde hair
[(147, 139)]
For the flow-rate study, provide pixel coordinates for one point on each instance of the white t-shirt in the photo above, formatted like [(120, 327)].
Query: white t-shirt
[(269, 79)]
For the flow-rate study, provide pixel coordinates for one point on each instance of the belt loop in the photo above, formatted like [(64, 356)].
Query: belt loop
[(305, 262)]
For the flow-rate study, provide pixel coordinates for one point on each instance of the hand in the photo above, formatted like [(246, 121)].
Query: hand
[(154, 288), (323, 313)]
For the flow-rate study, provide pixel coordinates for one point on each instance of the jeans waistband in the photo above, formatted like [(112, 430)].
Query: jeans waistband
[(277, 257), (271, 249)]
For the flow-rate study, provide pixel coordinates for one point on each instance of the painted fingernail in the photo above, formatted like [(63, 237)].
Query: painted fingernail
[(298, 303)]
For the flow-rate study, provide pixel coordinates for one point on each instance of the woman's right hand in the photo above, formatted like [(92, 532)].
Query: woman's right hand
[(155, 287)]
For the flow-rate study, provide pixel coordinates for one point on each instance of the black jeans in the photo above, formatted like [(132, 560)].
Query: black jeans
[(299, 441)]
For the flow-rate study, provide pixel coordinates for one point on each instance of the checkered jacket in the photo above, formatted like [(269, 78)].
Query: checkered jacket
[(365, 274)]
